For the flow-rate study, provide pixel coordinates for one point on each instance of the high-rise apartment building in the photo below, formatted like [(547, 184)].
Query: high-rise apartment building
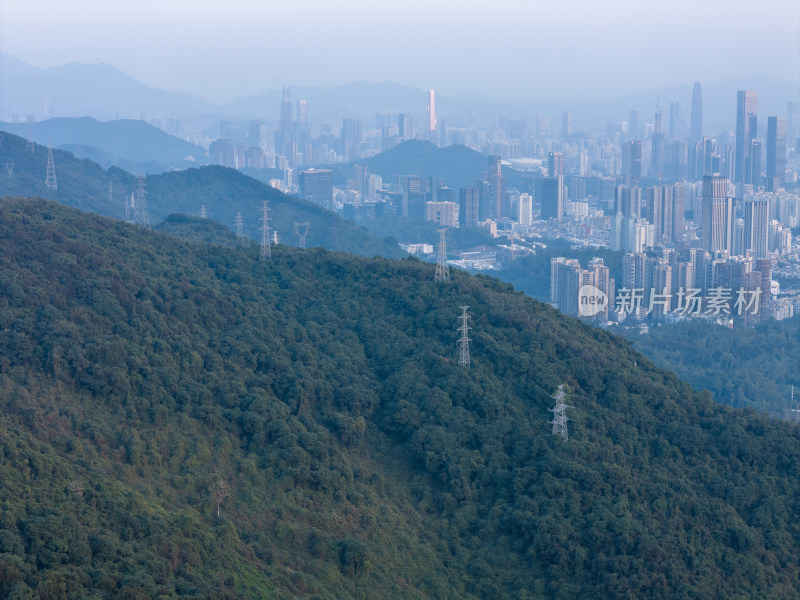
[(746, 131), (553, 197), (776, 153), (431, 123), (717, 215), (697, 112), (756, 227), (316, 185), (468, 208)]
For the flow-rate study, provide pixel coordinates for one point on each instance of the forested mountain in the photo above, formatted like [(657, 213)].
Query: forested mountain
[(184, 419), (224, 193), (130, 144), (744, 366), (456, 165)]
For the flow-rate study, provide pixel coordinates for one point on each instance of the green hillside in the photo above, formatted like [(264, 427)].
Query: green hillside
[(185, 420), (125, 143), (744, 366), (456, 165), (224, 192)]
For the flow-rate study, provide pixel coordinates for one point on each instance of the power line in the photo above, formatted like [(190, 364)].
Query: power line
[(442, 270), (50, 180), (266, 249), (240, 228), (559, 411), (464, 340), (140, 213), (301, 230)]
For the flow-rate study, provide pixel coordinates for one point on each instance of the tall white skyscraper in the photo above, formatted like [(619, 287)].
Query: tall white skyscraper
[(717, 215), (525, 209), (746, 131), (431, 114)]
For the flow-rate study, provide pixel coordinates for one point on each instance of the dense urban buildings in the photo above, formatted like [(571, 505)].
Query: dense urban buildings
[(688, 199)]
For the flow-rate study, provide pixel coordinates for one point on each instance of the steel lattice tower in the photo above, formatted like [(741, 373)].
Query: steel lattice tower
[(203, 213), (464, 340), (301, 230), (240, 228), (31, 145), (442, 270), (266, 249), (50, 181), (140, 214), (10, 169), (130, 203), (559, 411)]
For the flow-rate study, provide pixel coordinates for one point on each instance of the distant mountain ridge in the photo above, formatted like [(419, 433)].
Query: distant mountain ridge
[(98, 90), (224, 193), (130, 144), (455, 165), (24, 88)]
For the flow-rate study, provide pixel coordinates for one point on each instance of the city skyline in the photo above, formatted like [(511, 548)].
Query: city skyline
[(516, 50)]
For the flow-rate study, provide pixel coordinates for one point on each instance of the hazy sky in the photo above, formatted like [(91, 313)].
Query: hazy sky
[(509, 49)]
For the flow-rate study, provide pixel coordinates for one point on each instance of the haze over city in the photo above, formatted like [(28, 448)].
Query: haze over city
[(506, 50)]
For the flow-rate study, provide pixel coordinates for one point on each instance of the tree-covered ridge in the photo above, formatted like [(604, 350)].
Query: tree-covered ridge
[(744, 366), (140, 375), (223, 192)]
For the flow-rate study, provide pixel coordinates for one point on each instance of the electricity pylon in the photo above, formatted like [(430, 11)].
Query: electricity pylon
[(442, 270)]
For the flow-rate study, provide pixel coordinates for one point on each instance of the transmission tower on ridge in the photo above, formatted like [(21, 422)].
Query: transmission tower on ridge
[(10, 169), (442, 270), (301, 230), (239, 228), (31, 145), (464, 340), (140, 214), (559, 411), (50, 181), (203, 213), (266, 249)]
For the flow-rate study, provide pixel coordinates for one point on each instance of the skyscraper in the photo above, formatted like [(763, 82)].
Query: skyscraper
[(746, 130), (316, 185), (657, 148), (525, 209), (302, 115), (678, 208), (697, 112), (495, 179), (566, 124), (675, 130), (776, 153), (351, 138), (633, 124), (286, 135), (553, 197), (412, 187), (405, 126), (756, 227), (717, 215), (555, 164), (791, 125), (468, 208), (632, 162), (431, 116)]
